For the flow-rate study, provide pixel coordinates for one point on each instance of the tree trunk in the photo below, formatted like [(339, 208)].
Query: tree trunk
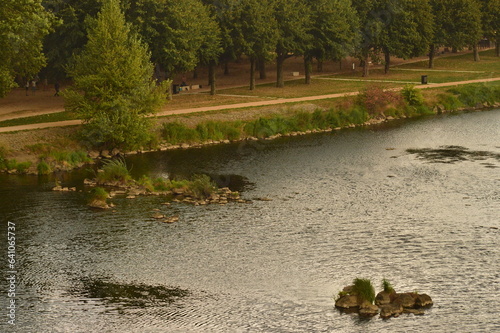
[(320, 65), (308, 68), (497, 44), (280, 81), (211, 77), (454, 50), (262, 68), (226, 67), (476, 52), (195, 73), (252, 73), (387, 60), (366, 72), (340, 64), (170, 89), (432, 53)]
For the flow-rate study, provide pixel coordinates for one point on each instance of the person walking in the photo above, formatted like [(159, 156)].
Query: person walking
[(33, 87), (57, 87)]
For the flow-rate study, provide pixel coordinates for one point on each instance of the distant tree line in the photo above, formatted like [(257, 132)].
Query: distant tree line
[(47, 35)]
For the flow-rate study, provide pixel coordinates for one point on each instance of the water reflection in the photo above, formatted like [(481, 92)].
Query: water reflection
[(454, 154), (130, 295)]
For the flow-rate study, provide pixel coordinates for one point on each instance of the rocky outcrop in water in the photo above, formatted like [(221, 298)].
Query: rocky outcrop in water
[(387, 303)]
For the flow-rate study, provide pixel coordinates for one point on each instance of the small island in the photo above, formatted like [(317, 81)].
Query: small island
[(360, 298)]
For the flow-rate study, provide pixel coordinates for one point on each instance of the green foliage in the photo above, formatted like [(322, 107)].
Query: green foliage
[(73, 158), (43, 168), (212, 130), (471, 95), (387, 286), (458, 22), (449, 101), (335, 27), (412, 95), (202, 186), (179, 133), (23, 26), (364, 289), (113, 88), (114, 170), (97, 194), (179, 33)]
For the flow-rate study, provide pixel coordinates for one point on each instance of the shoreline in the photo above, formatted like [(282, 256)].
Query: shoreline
[(96, 156)]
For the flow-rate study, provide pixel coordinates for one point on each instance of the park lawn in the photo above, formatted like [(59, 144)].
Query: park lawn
[(415, 76), (489, 63), (44, 118), (188, 100), (297, 88)]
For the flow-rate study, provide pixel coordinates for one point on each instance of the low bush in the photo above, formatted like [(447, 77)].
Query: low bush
[(412, 96), (376, 100), (114, 170), (202, 186)]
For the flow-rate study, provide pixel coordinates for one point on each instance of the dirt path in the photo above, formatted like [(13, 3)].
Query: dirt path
[(237, 105)]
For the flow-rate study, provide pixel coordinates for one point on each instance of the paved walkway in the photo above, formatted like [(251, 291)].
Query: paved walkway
[(238, 105)]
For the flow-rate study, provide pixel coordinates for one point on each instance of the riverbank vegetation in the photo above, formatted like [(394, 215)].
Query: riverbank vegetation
[(374, 104)]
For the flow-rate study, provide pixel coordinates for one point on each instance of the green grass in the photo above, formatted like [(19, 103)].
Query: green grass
[(97, 194), (199, 186), (364, 289), (46, 118), (114, 170), (387, 286)]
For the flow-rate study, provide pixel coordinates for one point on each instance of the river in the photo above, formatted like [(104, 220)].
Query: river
[(416, 202)]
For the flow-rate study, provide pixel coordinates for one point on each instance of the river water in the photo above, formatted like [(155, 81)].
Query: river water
[(416, 202)]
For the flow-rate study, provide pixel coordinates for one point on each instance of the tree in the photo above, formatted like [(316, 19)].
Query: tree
[(457, 25), (23, 25), (409, 30), (257, 32), (491, 21), (70, 36), (335, 31), (294, 19), (396, 27), (113, 88), (178, 33)]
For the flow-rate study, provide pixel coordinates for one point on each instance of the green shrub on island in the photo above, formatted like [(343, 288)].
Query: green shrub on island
[(364, 289), (97, 197), (199, 186), (202, 186), (387, 286), (114, 170)]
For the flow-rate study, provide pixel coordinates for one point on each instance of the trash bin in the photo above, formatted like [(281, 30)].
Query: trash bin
[(424, 79)]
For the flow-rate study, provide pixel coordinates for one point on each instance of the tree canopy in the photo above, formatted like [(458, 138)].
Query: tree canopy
[(23, 25)]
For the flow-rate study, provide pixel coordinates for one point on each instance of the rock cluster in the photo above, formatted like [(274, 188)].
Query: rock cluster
[(387, 304)]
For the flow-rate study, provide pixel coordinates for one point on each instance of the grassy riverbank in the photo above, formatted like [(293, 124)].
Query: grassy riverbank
[(48, 153)]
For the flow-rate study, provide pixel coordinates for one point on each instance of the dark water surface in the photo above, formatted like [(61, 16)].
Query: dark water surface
[(416, 202)]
